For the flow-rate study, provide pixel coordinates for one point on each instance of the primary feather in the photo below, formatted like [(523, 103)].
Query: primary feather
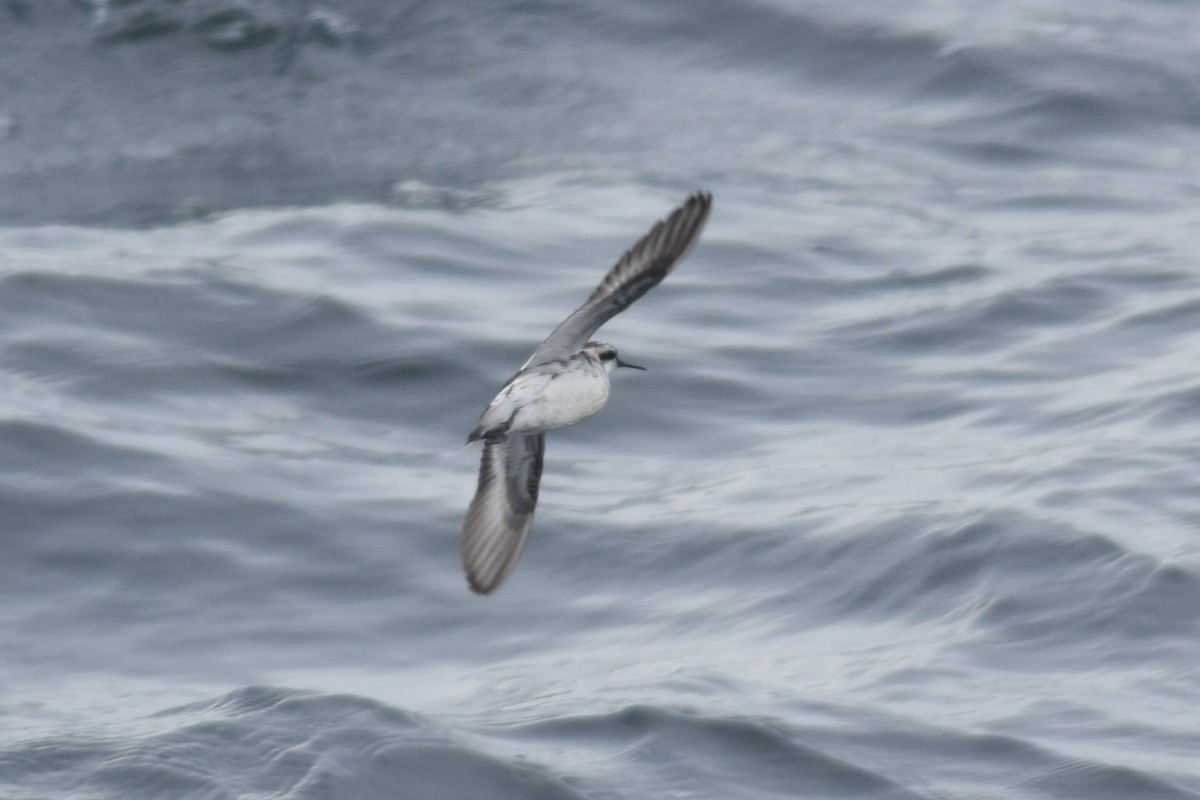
[(641, 268)]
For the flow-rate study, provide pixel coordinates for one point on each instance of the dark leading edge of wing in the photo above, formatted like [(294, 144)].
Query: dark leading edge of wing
[(641, 268), (501, 512)]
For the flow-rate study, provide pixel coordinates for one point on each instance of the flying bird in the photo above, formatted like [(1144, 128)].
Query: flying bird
[(564, 382)]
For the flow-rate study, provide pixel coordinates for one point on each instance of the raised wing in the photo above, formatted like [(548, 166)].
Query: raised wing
[(501, 512), (641, 268)]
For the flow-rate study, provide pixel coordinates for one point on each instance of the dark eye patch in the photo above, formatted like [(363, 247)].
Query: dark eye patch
[(608, 355)]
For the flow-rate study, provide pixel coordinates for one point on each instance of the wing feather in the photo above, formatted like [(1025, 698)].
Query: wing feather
[(641, 268), (501, 512)]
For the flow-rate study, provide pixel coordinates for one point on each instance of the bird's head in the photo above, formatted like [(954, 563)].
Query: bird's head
[(606, 354)]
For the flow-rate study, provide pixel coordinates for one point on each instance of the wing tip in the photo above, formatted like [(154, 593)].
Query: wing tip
[(480, 587), (670, 239), (680, 231), (701, 200), (485, 574)]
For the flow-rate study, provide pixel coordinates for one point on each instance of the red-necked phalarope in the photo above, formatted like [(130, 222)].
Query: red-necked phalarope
[(564, 382)]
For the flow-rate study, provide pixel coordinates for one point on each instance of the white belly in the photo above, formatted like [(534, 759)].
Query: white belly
[(546, 401), (556, 403)]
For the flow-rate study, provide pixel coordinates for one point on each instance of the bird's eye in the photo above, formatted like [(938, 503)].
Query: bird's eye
[(608, 355)]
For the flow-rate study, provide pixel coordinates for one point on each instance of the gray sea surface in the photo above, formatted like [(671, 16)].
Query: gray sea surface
[(906, 506)]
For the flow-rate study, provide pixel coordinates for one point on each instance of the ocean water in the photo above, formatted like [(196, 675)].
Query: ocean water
[(906, 506)]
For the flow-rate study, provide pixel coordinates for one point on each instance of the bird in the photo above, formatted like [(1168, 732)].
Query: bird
[(565, 381)]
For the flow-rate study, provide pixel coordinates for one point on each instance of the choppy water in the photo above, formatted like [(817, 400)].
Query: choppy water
[(906, 506)]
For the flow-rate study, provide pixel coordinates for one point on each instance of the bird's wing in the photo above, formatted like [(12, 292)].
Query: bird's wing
[(641, 268), (501, 512)]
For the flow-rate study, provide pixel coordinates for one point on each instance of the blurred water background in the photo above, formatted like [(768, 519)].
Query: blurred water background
[(906, 506)]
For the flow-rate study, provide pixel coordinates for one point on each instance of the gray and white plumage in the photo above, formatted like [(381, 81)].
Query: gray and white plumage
[(563, 382), (499, 516)]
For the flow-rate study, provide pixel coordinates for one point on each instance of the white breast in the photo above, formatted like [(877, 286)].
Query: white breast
[(545, 400)]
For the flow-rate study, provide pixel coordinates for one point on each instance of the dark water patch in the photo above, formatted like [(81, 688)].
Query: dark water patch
[(936, 278), (778, 389), (103, 365), (143, 536), (1092, 130), (890, 405), (186, 109), (1075, 778), (669, 554), (1151, 274), (908, 568), (1126, 600), (969, 72), (1167, 319), (939, 330), (260, 741), (815, 288), (980, 325), (1081, 202), (1056, 302), (996, 153), (1056, 115), (207, 336), (208, 311), (1014, 765), (354, 374), (1083, 416), (1030, 98), (223, 25), (1180, 407), (1030, 592), (865, 56), (54, 452), (739, 751), (271, 702)]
